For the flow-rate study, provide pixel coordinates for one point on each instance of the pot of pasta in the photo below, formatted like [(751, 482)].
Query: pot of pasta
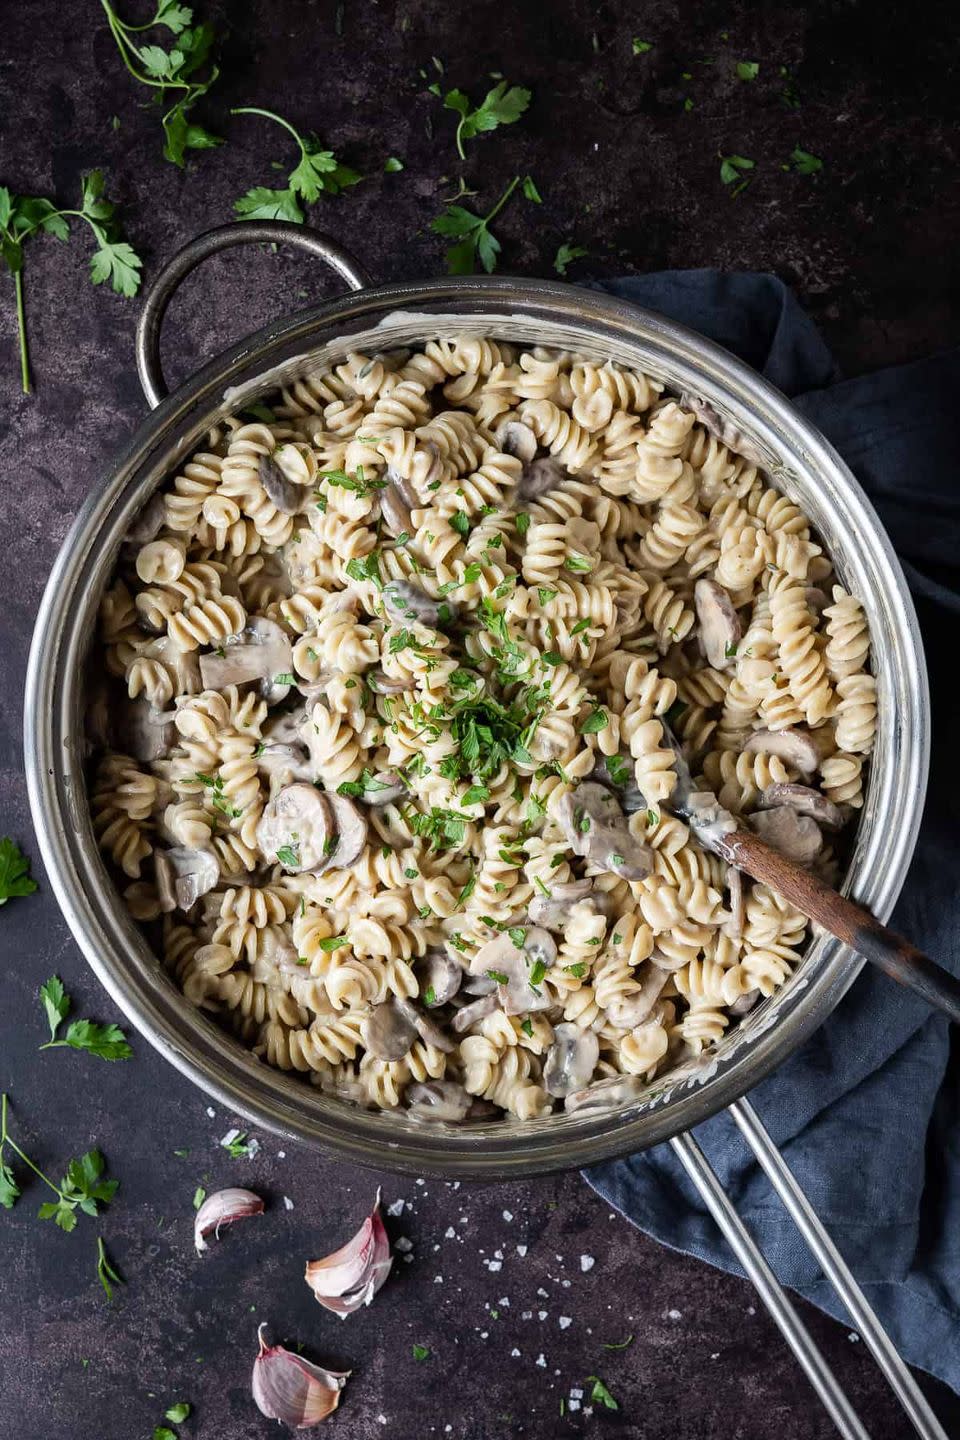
[(349, 705)]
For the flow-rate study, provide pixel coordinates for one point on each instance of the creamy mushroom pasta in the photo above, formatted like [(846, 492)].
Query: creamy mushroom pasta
[(398, 662)]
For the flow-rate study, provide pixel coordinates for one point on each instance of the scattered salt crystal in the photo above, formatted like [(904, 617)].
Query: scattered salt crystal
[(229, 1138), (541, 1361), (408, 1259), (674, 1315), (526, 1314), (253, 1148), (381, 1419), (751, 1310), (435, 1248), (521, 1251), (565, 1322), (493, 1266), (576, 1394), (715, 1355), (403, 1244), (541, 1291), (455, 1185), (514, 1352), (447, 1429), (438, 1279), (421, 1182), (287, 1203), (854, 1337), (508, 1216), (484, 1334), (504, 1300), (498, 1254), (573, 1405), (211, 1112), (449, 1233), (462, 1220), (281, 1154), (587, 1262), (565, 1284), (541, 1314), (396, 1208)]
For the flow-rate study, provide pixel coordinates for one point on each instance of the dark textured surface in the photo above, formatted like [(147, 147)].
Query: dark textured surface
[(870, 246)]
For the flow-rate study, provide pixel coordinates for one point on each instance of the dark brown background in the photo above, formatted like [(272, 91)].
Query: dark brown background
[(870, 246)]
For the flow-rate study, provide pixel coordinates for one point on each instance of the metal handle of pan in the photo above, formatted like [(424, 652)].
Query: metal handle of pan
[(831, 1262), (247, 232)]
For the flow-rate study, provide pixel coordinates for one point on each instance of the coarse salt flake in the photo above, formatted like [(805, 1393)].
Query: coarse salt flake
[(403, 1244), (521, 1251), (514, 1352), (508, 1216), (587, 1262), (674, 1315), (565, 1322), (541, 1361), (396, 1208), (287, 1203)]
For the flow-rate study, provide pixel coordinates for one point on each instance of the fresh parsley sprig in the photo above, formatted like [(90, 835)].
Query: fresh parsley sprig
[(733, 170), (106, 1273), (106, 1041), (473, 239), (174, 74), (565, 256), (503, 105), (318, 172), (15, 877), (82, 1187), (23, 216)]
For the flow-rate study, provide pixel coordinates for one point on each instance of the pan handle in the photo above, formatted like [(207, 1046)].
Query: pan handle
[(831, 1262), (245, 232)]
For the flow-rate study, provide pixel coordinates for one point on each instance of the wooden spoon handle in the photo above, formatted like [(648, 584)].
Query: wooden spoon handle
[(850, 922)]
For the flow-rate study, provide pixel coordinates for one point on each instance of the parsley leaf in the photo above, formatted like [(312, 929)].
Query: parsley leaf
[(594, 723), (640, 47), (600, 1395), (392, 166), (530, 191), (318, 172), (289, 855), (747, 69), (566, 255), (366, 569), (178, 1413), (474, 241), (56, 1002), (333, 942), (421, 1352), (105, 1271), (499, 977), (732, 168), (503, 105), (804, 163), (106, 1041)]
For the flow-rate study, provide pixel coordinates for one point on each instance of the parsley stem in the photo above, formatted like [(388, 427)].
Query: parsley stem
[(6, 1140), (121, 34), (503, 199), (269, 115), (22, 336)]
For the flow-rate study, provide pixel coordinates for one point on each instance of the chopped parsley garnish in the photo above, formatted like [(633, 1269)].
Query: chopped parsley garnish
[(357, 482), (499, 977), (747, 69), (522, 523), (732, 173), (618, 1344), (618, 769), (578, 970), (545, 595), (552, 658), (600, 1395), (566, 254), (421, 1352), (289, 855), (518, 935), (444, 829), (537, 973), (366, 569), (578, 563), (729, 650), (284, 678), (460, 521), (594, 723), (804, 163), (333, 942), (527, 1026), (476, 795), (429, 996), (640, 47)]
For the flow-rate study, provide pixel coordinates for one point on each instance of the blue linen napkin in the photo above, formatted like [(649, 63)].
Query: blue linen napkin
[(867, 1113)]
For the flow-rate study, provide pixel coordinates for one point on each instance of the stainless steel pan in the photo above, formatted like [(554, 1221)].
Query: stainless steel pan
[(802, 464)]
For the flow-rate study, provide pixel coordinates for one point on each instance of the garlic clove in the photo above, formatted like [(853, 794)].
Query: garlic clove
[(222, 1208), (351, 1276), (288, 1388)]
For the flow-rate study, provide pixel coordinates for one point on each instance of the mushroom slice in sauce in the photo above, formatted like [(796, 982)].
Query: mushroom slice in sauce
[(297, 829), (797, 747), (145, 733), (541, 476), (618, 773), (514, 437), (438, 1100), (794, 835), (726, 431), (183, 875), (384, 788), (396, 502), (387, 1033), (720, 628), (605, 1094), (571, 1060), (350, 827), (468, 1015), (405, 601), (426, 1028), (511, 966), (284, 763), (382, 684), (806, 801), (285, 729), (150, 520), (262, 652), (478, 985), (285, 494), (552, 910), (632, 1009), (440, 978), (596, 828)]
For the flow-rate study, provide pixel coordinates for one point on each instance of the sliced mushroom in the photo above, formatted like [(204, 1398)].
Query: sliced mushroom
[(552, 909), (437, 1100), (403, 600), (720, 628), (605, 1094), (396, 503), (571, 1060), (285, 729), (428, 1030), (631, 1010), (744, 1003), (440, 978), (806, 801), (384, 788), (622, 779), (284, 763), (149, 521), (350, 827), (261, 652), (382, 684), (816, 599), (143, 732), (726, 431), (183, 875), (794, 835), (468, 1015), (516, 438), (285, 494), (669, 963), (297, 829), (484, 1110), (596, 828), (797, 747), (541, 476), (478, 985), (387, 1034), (511, 965)]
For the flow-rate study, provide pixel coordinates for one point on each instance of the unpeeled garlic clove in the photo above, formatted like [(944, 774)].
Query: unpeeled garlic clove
[(288, 1388), (222, 1208), (352, 1275)]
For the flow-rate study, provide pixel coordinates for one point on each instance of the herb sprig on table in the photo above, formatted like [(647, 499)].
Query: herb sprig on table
[(82, 1187), (106, 1041), (15, 877), (473, 239), (183, 74), (318, 172), (503, 105), (23, 216)]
